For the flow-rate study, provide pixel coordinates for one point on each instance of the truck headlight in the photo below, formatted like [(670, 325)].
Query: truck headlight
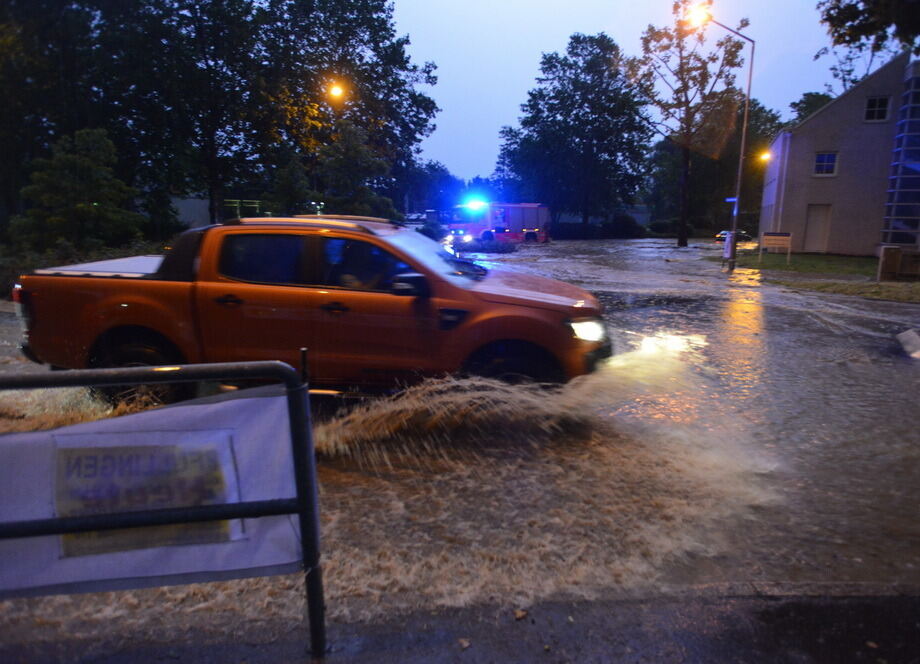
[(588, 329)]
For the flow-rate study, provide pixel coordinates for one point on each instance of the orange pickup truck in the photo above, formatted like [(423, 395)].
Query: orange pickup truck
[(373, 302)]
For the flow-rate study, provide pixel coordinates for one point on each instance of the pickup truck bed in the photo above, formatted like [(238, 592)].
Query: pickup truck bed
[(133, 267)]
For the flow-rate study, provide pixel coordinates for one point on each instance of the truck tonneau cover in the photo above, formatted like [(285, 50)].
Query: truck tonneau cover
[(132, 267)]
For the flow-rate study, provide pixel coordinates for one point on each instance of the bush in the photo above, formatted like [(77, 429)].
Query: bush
[(75, 195), (576, 231), (663, 227), (667, 228), (707, 225), (623, 227)]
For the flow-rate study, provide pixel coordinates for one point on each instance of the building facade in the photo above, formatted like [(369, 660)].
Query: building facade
[(847, 179)]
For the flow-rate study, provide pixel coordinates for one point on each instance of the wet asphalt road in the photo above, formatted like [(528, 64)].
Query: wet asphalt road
[(694, 629)]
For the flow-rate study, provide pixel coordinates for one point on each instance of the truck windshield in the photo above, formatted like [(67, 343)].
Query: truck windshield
[(437, 259)]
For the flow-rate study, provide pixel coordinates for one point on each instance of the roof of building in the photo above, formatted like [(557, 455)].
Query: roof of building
[(900, 61)]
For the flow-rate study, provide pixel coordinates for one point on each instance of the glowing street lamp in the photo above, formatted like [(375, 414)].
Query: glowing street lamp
[(765, 156), (697, 17), (336, 94)]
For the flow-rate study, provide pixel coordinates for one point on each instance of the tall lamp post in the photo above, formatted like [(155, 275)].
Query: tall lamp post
[(699, 16)]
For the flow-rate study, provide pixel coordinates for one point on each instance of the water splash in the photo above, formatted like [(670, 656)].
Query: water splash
[(449, 413), (430, 497)]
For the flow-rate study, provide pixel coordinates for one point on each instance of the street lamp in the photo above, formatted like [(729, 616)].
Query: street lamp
[(336, 96), (698, 17)]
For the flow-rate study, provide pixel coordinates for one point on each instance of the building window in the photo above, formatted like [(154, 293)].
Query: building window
[(876, 109), (825, 163)]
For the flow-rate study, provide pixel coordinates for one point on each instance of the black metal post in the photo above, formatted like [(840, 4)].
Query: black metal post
[(308, 512)]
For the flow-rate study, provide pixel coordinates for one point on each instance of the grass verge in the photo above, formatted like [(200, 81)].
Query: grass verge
[(824, 264), (843, 275), (900, 291)]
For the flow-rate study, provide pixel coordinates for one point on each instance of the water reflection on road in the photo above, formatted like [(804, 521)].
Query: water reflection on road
[(817, 382)]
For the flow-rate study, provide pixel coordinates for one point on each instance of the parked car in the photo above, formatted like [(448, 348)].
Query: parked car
[(742, 236), (375, 304)]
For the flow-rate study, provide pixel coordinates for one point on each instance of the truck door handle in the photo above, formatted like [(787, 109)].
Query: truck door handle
[(334, 308), (228, 300)]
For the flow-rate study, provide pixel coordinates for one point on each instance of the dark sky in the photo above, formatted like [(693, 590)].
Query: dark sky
[(488, 53)]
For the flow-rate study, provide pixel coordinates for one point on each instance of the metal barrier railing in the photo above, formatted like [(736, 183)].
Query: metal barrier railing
[(305, 505)]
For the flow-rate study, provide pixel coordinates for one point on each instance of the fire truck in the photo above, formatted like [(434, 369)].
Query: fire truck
[(501, 222)]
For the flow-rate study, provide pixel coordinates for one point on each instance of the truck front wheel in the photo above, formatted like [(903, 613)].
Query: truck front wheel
[(515, 362)]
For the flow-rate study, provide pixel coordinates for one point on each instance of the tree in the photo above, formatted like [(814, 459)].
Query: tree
[(354, 43), (505, 182), (429, 186), (204, 96), (580, 144), (348, 166), (692, 91), (76, 197), (711, 181), (45, 63), (290, 192), (872, 24), (442, 188), (809, 103)]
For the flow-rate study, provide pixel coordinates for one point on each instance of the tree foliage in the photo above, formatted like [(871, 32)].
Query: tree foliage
[(290, 191), (580, 144), (713, 180), (348, 166), (76, 197), (872, 24), (429, 186), (691, 88), (809, 103), (204, 96)]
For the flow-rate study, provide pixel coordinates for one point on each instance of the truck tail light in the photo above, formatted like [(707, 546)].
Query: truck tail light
[(23, 301)]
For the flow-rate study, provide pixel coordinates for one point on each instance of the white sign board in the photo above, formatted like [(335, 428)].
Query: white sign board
[(207, 452), (771, 241), (776, 241)]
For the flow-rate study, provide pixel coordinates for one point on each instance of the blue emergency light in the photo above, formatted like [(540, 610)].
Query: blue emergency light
[(475, 204)]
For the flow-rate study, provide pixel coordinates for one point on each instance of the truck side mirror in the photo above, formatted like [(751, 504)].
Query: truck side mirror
[(410, 284)]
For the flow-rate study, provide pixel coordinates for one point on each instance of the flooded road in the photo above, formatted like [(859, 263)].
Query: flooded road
[(814, 386), (742, 435)]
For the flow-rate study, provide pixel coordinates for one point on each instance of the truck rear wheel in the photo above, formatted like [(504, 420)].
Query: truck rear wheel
[(487, 236), (141, 353)]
